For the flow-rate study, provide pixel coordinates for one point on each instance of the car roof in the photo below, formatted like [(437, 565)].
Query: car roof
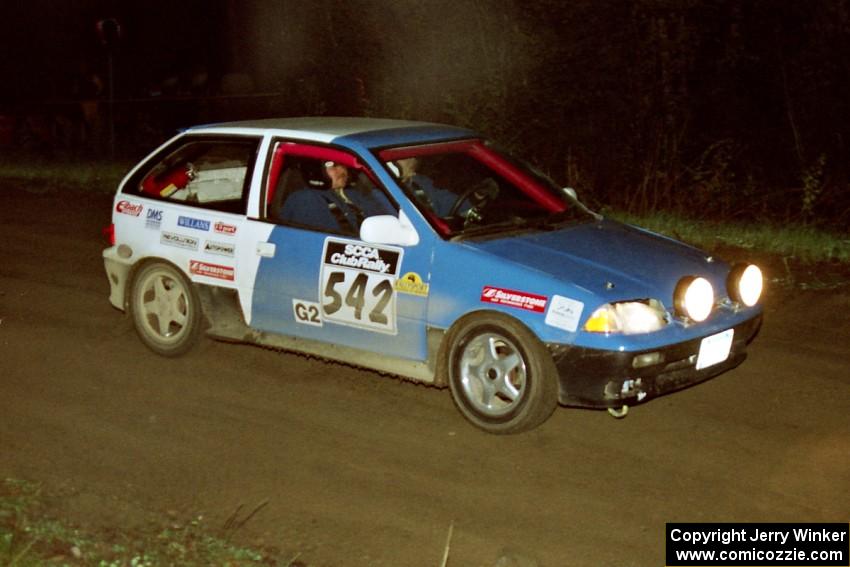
[(370, 132)]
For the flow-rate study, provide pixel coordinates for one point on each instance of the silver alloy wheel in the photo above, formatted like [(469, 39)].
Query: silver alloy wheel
[(492, 374), (163, 306)]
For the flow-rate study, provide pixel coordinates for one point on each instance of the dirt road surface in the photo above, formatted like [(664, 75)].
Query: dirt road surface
[(359, 469)]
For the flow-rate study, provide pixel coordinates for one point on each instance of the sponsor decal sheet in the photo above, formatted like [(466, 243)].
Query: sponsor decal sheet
[(513, 298), (357, 285)]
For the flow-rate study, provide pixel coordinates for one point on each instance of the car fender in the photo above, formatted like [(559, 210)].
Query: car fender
[(465, 280)]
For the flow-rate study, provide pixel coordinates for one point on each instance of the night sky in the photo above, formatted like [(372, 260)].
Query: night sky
[(50, 44)]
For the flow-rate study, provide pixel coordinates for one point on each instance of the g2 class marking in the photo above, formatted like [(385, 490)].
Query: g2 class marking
[(307, 312)]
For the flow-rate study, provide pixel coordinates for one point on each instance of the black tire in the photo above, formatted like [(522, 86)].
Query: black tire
[(502, 378), (165, 308)]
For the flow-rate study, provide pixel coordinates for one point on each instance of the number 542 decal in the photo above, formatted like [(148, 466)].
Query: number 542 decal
[(357, 284)]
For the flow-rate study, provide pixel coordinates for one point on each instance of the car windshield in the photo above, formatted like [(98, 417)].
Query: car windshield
[(468, 188)]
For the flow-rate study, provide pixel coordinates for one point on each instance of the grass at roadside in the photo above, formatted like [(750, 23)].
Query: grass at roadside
[(98, 176), (803, 243), (30, 536)]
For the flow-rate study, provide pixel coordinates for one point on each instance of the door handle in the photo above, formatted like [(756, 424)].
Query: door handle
[(266, 249)]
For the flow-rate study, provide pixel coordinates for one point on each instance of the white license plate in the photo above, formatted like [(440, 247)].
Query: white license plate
[(715, 349)]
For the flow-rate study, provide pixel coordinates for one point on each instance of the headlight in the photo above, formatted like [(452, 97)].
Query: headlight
[(745, 283), (694, 298), (627, 317)]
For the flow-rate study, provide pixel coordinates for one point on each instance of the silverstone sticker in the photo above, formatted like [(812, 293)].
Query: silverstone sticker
[(412, 284), (212, 270), (153, 219), (178, 240), (512, 298), (564, 313), (190, 222), (357, 284), (224, 228), (219, 248), (128, 208), (307, 312)]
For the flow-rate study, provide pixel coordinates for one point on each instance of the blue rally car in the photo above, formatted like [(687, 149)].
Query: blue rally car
[(422, 251)]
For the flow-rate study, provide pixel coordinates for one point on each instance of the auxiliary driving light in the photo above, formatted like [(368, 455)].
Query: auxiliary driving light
[(694, 298), (745, 283)]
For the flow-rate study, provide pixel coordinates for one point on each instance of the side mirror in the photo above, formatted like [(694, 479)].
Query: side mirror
[(387, 229)]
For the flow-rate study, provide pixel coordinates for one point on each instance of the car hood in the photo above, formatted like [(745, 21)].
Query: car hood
[(608, 258)]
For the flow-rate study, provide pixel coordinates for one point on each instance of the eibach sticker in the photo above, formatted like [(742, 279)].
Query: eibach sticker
[(128, 208), (212, 270), (357, 284), (512, 298)]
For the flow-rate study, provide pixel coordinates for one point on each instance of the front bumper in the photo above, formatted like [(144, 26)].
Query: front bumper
[(608, 379)]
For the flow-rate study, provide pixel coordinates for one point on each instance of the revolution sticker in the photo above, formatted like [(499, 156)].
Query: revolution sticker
[(212, 270), (512, 298), (178, 240), (357, 284)]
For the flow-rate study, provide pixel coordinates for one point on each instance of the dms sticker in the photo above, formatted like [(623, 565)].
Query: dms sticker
[(153, 219), (197, 224), (128, 208), (357, 284), (412, 284), (564, 313), (512, 298), (212, 270), (178, 240)]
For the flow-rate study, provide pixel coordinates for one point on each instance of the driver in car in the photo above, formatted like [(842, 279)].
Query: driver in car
[(435, 198), (339, 206)]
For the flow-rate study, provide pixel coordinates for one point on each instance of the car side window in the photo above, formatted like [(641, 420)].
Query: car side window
[(210, 174), (322, 189)]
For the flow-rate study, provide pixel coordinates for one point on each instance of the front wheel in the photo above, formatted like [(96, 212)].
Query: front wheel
[(502, 378), (166, 309)]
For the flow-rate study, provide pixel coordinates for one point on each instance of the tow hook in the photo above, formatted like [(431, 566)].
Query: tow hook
[(620, 412)]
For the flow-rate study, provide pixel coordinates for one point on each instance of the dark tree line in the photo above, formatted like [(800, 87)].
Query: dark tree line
[(733, 108), (715, 107)]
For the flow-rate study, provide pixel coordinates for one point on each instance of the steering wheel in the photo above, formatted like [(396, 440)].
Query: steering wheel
[(479, 195)]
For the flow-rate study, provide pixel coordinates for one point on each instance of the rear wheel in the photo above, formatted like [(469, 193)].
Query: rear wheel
[(501, 376), (166, 309)]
